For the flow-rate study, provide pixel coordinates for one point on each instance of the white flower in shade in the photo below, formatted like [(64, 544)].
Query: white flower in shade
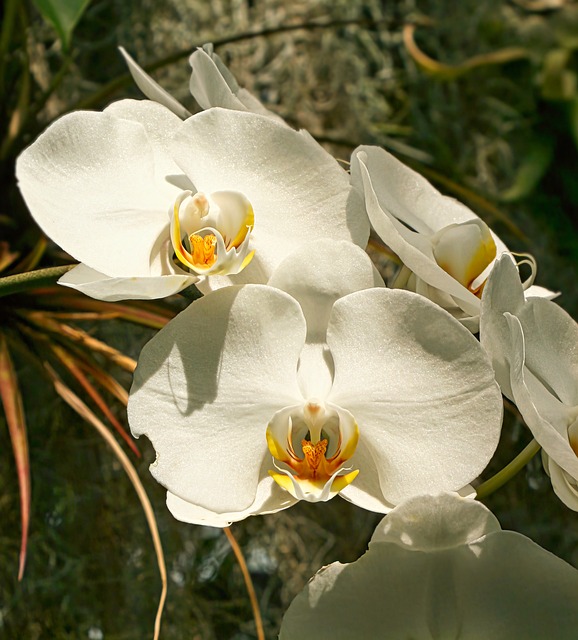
[(149, 204), (211, 84), (447, 252), (438, 568), (533, 345), (321, 383)]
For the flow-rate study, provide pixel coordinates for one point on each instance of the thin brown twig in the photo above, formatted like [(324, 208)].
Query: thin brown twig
[(73, 366), (248, 582), (11, 400), (83, 410)]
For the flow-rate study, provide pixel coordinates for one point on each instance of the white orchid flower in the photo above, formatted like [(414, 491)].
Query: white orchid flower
[(440, 567), (446, 250), (533, 344), (149, 204), (257, 396), (211, 84)]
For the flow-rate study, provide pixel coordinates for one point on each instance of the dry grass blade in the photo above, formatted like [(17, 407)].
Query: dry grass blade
[(86, 414), (7, 256), (72, 365), (105, 380), (31, 260), (148, 315), (248, 582), (82, 338), (12, 402)]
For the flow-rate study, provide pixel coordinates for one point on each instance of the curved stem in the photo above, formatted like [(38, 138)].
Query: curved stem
[(248, 582), (31, 279), (509, 471)]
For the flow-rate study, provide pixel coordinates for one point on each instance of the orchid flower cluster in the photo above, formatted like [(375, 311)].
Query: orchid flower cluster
[(299, 375)]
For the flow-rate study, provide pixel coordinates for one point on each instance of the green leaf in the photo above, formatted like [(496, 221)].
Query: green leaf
[(63, 15)]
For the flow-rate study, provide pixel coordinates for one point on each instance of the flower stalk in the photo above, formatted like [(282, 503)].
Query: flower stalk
[(509, 471), (31, 279)]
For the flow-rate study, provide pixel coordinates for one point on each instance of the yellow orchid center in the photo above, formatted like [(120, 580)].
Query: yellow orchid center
[(210, 234), (314, 454), (310, 445), (203, 249)]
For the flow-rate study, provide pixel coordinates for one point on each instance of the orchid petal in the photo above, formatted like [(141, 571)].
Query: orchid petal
[(209, 85), (160, 125), (309, 275), (548, 332), (92, 182), (442, 522), (102, 287), (299, 195), (420, 388), (269, 498), (206, 387), (213, 85), (366, 491), (565, 487), (550, 337), (413, 249), (315, 371), (465, 578), (554, 443), (405, 194), (152, 89), (535, 291), (503, 292)]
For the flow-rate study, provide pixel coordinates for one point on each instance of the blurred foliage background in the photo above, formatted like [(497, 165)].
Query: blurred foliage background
[(481, 97)]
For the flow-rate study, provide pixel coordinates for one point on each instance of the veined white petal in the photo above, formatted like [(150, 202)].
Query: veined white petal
[(213, 85), (91, 181), (548, 332), (209, 85), (97, 285), (420, 387), (414, 249), (319, 273), (270, 498), (454, 574), (299, 193), (206, 387), (503, 292), (434, 236), (441, 522), (553, 439), (152, 89), (406, 194)]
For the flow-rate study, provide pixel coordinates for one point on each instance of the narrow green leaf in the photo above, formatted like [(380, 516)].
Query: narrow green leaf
[(63, 15)]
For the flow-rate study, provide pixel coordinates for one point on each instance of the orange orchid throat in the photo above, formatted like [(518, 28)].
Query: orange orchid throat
[(310, 445), (216, 230)]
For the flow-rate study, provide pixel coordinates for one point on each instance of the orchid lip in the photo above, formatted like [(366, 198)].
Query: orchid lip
[(310, 445), (466, 251), (210, 234)]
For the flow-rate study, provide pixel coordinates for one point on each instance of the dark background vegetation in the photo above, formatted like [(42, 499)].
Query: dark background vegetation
[(499, 135)]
